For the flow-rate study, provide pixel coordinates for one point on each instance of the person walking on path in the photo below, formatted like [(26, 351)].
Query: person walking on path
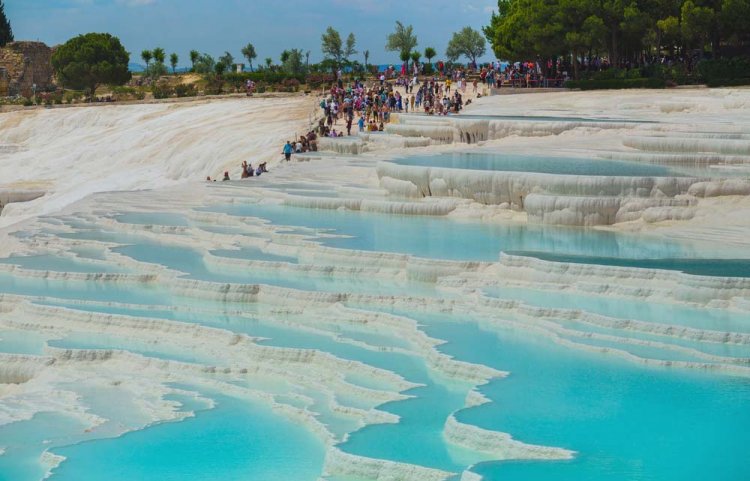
[(288, 149)]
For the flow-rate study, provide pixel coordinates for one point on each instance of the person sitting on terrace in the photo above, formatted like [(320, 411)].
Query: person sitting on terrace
[(247, 170)]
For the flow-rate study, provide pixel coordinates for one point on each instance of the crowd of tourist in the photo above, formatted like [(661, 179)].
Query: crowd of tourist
[(372, 105)]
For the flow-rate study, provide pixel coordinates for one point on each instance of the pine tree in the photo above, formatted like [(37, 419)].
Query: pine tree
[(6, 33)]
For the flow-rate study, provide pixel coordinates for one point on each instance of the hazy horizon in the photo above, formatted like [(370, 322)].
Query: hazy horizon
[(228, 25)]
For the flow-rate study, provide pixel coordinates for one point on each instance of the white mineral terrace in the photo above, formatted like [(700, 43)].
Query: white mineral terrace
[(67, 170)]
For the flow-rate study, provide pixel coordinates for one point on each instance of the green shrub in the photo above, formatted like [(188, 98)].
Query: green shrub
[(725, 70), (214, 87), (128, 93), (317, 80), (71, 96), (637, 83), (123, 90), (291, 85), (162, 91), (727, 82), (184, 90)]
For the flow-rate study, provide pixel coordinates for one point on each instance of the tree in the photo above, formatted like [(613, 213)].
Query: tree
[(292, 62), (156, 69), (284, 56), (405, 56), (194, 56), (402, 40), (204, 64), (6, 32), (468, 43), (626, 32), (332, 46), (227, 59), (669, 32), (250, 54), (269, 62), (160, 56), (366, 53), (578, 29), (349, 50), (90, 60), (734, 21), (220, 68), (146, 55), (174, 60), (415, 56), (429, 54), (697, 23)]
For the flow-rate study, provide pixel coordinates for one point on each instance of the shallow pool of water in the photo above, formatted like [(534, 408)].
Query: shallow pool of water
[(539, 164), (59, 263), (625, 421), (235, 440), (698, 267), (153, 218), (445, 238)]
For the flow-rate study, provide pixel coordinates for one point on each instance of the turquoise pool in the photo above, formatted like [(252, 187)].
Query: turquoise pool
[(626, 420), (443, 238), (227, 442), (547, 165)]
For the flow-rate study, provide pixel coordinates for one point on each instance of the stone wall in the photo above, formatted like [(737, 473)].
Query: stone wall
[(4, 82), (25, 64)]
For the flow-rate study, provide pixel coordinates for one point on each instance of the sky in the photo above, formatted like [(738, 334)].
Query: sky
[(227, 25)]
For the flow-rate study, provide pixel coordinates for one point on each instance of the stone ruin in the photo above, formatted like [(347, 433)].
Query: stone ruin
[(4, 82), (23, 64)]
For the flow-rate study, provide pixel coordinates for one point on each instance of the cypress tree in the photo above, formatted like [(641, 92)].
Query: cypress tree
[(6, 33)]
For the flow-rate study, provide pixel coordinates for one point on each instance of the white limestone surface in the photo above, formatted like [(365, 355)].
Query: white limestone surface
[(73, 153)]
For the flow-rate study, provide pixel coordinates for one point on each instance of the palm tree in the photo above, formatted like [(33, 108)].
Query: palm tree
[(173, 59), (146, 55), (250, 54), (366, 53), (307, 61), (194, 56), (269, 61), (159, 55), (405, 56), (429, 53)]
